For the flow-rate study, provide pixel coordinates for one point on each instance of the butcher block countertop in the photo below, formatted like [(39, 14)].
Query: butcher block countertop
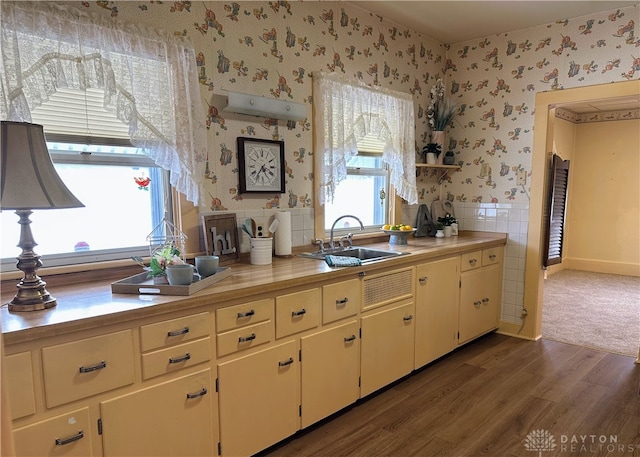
[(92, 304)]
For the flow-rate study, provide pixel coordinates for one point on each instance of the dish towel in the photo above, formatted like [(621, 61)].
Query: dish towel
[(340, 261)]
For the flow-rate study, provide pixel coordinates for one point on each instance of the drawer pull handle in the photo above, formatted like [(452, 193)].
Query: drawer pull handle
[(424, 279), (477, 303), (202, 393), (485, 300), (96, 367), (344, 301), (244, 339), (286, 362), (76, 437), (183, 331), (492, 256), (407, 318), (183, 358), (350, 339), (247, 314), (298, 313), (472, 262)]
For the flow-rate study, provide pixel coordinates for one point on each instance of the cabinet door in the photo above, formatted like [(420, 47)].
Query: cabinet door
[(169, 419), (68, 435), (330, 370), (387, 346), (437, 294), (259, 398), (480, 294)]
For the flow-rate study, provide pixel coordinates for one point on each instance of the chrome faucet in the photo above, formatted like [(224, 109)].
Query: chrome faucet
[(331, 242)]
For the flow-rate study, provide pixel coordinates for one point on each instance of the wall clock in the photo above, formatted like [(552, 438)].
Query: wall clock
[(261, 165)]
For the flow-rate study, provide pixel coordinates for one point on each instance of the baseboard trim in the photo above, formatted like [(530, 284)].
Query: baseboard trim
[(602, 266), (510, 329)]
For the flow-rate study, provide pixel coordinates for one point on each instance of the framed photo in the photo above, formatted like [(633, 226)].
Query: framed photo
[(221, 237), (261, 165)]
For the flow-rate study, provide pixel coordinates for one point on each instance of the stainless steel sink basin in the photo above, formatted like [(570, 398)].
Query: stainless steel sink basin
[(364, 254)]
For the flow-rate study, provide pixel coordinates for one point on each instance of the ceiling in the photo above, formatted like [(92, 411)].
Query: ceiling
[(457, 21)]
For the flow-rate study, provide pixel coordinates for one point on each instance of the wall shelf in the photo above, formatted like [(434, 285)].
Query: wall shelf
[(445, 169)]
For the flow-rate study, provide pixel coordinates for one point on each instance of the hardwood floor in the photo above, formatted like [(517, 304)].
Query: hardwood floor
[(484, 400)]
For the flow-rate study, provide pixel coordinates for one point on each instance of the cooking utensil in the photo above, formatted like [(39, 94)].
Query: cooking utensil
[(248, 227), (253, 228), (246, 230)]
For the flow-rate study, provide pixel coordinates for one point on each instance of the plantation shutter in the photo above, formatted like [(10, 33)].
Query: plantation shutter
[(556, 208)]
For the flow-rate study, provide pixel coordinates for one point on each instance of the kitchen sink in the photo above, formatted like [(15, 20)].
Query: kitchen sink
[(364, 254)]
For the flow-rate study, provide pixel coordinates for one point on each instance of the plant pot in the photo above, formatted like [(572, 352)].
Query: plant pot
[(447, 231), (449, 159), (432, 159), (437, 137), (439, 234)]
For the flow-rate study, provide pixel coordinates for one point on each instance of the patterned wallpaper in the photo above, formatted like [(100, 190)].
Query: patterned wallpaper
[(271, 48)]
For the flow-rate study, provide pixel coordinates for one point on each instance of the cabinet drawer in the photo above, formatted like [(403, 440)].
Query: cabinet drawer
[(471, 260), (491, 256), (244, 338), (174, 331), (175, 358), (244, 314), (341, 300), (66, 435), (87, 367), (297, 312), (19, 379)]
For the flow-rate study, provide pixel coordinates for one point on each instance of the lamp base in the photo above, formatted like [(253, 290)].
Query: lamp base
[(32, 294)]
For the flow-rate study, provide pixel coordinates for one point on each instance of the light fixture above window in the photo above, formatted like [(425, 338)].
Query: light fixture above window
[(254, 105)]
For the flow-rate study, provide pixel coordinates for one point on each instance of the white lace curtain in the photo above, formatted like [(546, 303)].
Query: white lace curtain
[(347, 111), (149, 79)]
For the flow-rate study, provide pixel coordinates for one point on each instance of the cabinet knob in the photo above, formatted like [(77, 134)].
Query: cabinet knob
[(492, 256), (286, 362), (477, 303), (198, 394), (423, 280), (485, 300), (98, 366), (182, 331), (182, 358), (472, 262), (407, 318), (76, 437), (244, 339)]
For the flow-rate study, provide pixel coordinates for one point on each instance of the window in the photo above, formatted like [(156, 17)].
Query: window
[(360, 194), (106, 174)]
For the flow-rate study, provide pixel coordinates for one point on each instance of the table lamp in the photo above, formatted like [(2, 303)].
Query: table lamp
[(29, 181)]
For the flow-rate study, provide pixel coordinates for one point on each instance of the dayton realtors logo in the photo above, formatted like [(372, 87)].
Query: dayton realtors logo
[(543, 441)]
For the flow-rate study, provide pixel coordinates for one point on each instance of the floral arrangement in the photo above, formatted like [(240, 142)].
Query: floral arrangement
[(448, 219), (166, 255), (440, 111)]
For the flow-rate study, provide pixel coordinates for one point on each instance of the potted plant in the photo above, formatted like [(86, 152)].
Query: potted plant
[(439, 229), (447, 222), (440, 113), (431, 152)]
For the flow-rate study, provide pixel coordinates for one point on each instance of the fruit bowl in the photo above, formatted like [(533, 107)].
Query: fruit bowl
[(399, 237)]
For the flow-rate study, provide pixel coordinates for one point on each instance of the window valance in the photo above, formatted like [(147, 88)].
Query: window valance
[(347, 111), (149, 79)]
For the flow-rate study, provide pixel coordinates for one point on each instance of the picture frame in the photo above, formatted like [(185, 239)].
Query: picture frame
[(221, 237), (261, 166)]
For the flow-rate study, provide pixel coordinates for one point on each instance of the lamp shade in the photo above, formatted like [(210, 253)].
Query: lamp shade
[(28, 179)]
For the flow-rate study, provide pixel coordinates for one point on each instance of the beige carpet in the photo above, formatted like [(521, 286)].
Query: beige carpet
[(595, 310)]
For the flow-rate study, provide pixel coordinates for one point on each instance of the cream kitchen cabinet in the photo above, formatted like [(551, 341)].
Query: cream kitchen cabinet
[(437, 296), (259, 399), (66, 435), (176, 417), (480, 293), (387, 346), (329, 371)]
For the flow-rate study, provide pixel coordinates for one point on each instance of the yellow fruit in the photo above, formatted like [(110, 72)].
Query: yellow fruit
[(386, 227), (406, 228)]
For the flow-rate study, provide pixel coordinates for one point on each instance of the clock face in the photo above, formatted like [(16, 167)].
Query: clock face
[(261, 165)]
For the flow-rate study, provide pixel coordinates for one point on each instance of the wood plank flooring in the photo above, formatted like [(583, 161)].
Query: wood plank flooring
[(484, 400)]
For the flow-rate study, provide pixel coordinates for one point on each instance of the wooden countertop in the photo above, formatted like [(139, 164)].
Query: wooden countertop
[(92, 304)]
